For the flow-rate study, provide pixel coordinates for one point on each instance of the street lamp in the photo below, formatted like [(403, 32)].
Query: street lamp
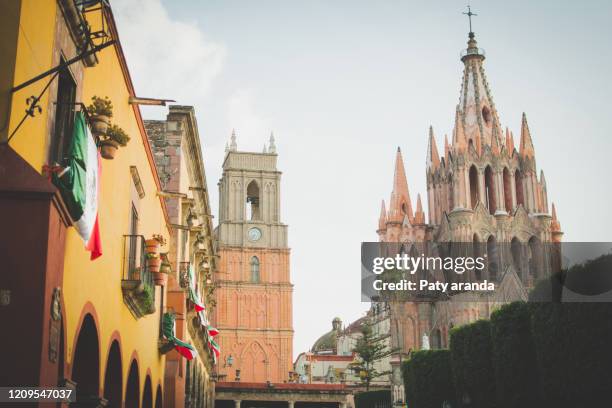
[(229, 361)]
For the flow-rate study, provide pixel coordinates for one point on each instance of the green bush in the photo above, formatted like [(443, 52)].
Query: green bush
[(428, 379), (473, 373), (574, 361), (373, 399), (513, 357)]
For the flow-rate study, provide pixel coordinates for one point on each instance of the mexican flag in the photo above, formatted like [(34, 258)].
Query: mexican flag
[(215, 348), (168, 329), (212, 331), (185, 349), (79, 184)]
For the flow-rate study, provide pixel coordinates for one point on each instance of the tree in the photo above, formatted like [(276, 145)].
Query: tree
[(369, 349)]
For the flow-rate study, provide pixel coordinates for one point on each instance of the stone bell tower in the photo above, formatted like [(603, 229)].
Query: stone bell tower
[(254, 291)]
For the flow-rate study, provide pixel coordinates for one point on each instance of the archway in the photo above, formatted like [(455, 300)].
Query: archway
[(518, 185), (473, 186), (147, 394), (113, 380), (490, 190), (159, 401), (86, 363), (132, 392), (535, 258), (253, 201)]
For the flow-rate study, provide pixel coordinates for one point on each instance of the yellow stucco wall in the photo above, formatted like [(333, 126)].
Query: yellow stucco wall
[(34, 56), (97, 282)]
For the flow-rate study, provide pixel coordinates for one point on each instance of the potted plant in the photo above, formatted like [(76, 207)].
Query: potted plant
[(100, 111), (153, 262), (152, 245), (146, 300), (160, 278), (110, 142)]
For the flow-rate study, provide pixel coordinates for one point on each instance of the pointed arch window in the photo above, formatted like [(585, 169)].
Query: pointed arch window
[(253, 201), (255, 269)]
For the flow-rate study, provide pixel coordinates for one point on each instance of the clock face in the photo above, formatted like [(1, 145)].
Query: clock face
[(254, 234)]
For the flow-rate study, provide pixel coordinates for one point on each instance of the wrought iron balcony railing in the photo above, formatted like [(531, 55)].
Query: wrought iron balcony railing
[(137, 282)]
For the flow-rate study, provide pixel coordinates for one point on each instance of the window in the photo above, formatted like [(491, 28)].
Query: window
[(486, 115), (473, 186), (132, 259), (253, 201), (518, 185), (64, 116), (255, 269)]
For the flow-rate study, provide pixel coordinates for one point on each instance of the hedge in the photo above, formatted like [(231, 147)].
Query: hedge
[(428, 380), (373, 399), (573, 340), (473, 373), (513, 357)]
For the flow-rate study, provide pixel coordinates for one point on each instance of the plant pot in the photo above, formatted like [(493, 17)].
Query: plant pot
[(159, 278), (99, 124), (151, 246), (153, 265), (108, 149), (165, 268)]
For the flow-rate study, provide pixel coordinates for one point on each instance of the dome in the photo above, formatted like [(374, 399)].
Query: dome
[(327, 342)]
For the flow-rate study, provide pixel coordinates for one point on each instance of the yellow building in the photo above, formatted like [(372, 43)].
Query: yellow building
[(90, 324)]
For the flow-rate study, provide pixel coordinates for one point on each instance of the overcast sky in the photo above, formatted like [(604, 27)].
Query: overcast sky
[(343, 83)]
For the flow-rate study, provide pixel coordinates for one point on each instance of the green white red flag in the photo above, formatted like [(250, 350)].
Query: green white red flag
[(79, 184)]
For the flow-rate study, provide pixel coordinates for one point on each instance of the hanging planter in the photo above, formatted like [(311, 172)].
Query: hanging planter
[(100, 111), (153, 263), (161, 278), (111, 140), (108, 149)]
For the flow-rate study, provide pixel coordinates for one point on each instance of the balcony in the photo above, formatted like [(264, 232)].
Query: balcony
[(184, 279), (137, 284)]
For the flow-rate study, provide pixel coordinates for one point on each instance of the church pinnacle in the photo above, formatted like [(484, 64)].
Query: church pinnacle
[(233, 145), (433, 157), (400, 205)]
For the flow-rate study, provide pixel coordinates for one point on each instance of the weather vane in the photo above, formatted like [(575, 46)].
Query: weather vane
[(470, 14)]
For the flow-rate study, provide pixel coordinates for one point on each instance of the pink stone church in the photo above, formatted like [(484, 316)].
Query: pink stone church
[(483, 192)]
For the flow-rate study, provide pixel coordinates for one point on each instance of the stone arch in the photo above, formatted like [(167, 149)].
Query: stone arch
[(518, 186), (255, 274), (132, 390), (86, 361), (147, 394), (473, 174), (516, 250), (113, 376), (535, 258), (489, 179), (159, 401), (253, 201), (251, 358)]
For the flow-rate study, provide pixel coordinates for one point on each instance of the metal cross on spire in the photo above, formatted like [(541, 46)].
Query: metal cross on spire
[(470, 14)]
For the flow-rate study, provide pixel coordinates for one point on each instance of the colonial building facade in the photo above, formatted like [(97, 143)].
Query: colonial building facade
[(254, 291), (482, 193), (191, 253)]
